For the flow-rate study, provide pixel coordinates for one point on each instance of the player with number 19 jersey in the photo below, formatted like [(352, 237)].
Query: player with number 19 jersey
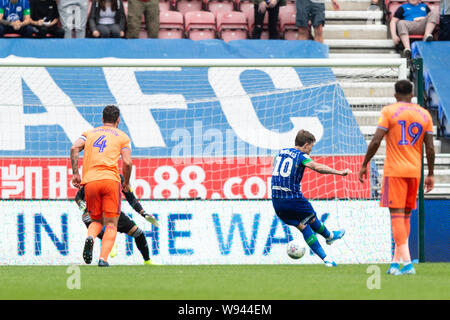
[(103, 146), (289, 166), (405, 125)]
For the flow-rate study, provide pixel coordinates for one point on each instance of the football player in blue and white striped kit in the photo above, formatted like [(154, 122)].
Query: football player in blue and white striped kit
[(288, 201)]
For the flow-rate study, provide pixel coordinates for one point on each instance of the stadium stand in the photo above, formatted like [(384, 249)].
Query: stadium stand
[(188, 5), (288, 27), (231, 25), (165, 5), (246, 6), (216, 6), (200, 25), (171, 25)]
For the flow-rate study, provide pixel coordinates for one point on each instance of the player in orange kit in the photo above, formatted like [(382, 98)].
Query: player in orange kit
[(406, 126), (103, 146)]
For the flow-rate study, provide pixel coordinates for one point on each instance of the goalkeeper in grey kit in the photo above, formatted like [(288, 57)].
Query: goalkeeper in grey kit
[(125, 224)]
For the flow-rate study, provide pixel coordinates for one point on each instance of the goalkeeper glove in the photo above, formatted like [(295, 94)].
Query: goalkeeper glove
[(150, 218)]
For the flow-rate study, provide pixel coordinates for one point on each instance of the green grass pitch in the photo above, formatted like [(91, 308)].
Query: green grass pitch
[(224, 282)]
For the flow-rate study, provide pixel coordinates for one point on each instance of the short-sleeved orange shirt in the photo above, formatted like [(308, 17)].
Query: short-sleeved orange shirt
[(405, 125), (102, 150)]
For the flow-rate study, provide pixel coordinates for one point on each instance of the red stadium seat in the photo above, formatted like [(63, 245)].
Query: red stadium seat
[(247, 7), (287, 8), (232, 26), (171, 25), (164, 5), (200, 25), (216, 6), (290, 5), (288, 25), (12, 35), (189, 5)]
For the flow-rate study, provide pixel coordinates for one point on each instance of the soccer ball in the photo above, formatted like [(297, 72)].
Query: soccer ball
[(294, 250)]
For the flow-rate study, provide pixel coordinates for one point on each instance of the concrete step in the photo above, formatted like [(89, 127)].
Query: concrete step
[(366, 104), (359, 17), (360, 43), (358, 31), (367, 89), (364, 74), (372, 46), (440, 190), (349, 5)]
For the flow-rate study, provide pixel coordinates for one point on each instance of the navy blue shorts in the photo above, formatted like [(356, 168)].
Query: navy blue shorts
[(310, 11), (294, 211)]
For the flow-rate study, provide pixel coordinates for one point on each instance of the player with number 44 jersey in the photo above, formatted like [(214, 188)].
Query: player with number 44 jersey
[(288, 201)]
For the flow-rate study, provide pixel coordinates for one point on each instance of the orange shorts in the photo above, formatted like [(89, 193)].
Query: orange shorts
[(399, 193), (103, 198)]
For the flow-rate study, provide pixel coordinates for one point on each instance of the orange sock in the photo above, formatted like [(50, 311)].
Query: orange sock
[(398, 228), (400, 232), (108, 240), (94, 229), (407, 223)]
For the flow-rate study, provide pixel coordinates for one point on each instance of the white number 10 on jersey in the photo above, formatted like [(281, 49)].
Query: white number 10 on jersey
[(282, 168)]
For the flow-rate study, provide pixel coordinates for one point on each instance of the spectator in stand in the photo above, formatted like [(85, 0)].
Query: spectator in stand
[(148, 8), (45, 18), (413, 17), (107, 19), (444, 25), (15, 18), (314, 11), (73, 14), (272, 7)]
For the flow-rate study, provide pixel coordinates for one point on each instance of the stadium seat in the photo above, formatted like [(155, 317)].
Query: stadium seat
[(171, 25), (216, 6), (184, 6), (200, 25), (287, 8), (290, 5), (11, 35), (288, 26), (247, 7), (164, 5), (232, 26)]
